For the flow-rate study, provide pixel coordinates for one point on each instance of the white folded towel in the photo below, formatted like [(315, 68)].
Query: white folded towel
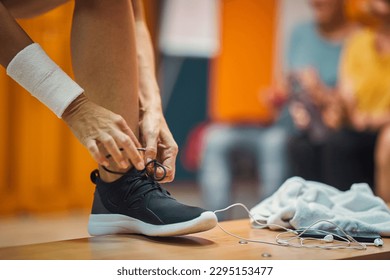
[(299, 203)]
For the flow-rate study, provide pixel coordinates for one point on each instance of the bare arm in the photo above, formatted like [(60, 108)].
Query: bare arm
[(12, 37), (359, 120), (376, 122), (154, 130), (149, 90)]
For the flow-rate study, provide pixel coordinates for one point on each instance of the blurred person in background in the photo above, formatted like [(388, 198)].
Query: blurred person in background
[(221, 140), (365, 89), (312, 63)]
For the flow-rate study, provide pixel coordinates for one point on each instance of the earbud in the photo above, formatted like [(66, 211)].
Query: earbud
[(378, 242), (328, 238)]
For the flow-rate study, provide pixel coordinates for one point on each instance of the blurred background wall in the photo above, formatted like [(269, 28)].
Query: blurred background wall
[(42, 166)]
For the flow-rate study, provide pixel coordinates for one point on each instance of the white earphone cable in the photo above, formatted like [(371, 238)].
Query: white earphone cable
[(347, 241)]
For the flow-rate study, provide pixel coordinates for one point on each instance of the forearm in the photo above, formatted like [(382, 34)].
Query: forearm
[(149, 91), (377, 121), (28, 64), (13, 38), (153, 126)]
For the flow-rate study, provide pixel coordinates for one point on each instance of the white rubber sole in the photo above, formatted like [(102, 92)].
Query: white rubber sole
[(104, 224)]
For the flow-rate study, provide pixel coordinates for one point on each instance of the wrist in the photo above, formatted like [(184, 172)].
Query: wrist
[(34, 70), (74, 107), (151, 106), (149, 94)]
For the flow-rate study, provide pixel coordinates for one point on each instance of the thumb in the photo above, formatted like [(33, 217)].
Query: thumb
[(151, 147)]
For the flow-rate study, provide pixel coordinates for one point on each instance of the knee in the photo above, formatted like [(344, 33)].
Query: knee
[(273, 147), (275, 138), (217, 138)]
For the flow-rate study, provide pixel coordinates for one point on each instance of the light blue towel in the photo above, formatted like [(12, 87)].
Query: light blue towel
[(299, 203)]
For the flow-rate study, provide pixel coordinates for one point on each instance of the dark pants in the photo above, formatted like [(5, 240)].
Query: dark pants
[(306, 158), (346, 157)]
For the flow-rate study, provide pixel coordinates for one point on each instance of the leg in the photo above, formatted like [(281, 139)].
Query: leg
[(273, 167), (105, 65), (215, 176), (304, 157), (109, 77), (382, 164), (349, 158)]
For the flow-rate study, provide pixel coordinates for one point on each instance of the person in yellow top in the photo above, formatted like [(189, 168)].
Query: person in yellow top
[(364, 68), (365, 88)]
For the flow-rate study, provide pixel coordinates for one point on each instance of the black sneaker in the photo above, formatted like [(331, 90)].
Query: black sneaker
[(135, 203)]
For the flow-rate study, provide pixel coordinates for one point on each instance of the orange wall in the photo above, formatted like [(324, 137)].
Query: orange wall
[(244, 66)]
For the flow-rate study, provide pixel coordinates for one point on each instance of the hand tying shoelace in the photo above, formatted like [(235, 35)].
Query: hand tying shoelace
[(154, 164)]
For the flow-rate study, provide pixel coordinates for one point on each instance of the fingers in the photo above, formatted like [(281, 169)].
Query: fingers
[(168, 157), (151, 154), (129, 142), (168, 151), (150, 128), (130, 150), (114, 142), (300, 115), (150, 145), (112, 148), (95, 153), (126, 129), (104, 132), (170, 170)]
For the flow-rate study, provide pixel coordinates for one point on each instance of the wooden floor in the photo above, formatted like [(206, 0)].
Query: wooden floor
[(31, 229)]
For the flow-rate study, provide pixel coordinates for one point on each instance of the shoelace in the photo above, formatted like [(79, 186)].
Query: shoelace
[(154, 164), (147, 176), (142, 178), (150, 174), (139, 181)]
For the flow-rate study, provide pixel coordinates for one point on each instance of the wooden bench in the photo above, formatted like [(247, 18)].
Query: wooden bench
[(213, 245)]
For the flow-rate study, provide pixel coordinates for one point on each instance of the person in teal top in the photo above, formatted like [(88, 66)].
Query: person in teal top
[(308, 48)]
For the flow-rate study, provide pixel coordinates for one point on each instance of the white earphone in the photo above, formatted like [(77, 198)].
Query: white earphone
[(328, 238), (378, 242)]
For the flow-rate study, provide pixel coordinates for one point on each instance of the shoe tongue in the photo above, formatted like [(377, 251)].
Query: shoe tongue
[(133, 173)]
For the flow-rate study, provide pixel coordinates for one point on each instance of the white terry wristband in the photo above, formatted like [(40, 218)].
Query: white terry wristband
[(33, 69)]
